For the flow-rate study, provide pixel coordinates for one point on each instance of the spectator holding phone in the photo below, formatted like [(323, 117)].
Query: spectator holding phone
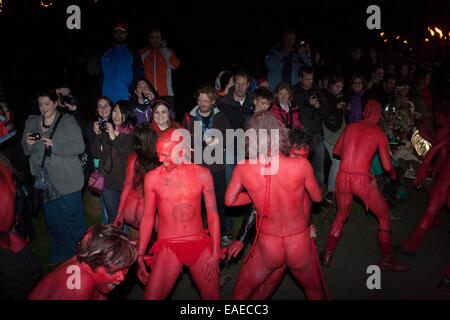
[(59, 137)]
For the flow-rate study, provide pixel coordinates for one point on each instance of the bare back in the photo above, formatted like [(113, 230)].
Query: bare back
[(357, 146), (282, 193)]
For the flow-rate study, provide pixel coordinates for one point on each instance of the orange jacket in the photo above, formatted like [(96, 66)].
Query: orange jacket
[(158, 65)]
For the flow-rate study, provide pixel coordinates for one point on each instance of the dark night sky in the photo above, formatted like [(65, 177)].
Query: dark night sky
[(207, 35)]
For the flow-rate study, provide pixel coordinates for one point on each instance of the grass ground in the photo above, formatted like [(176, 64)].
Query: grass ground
[(41, 245)]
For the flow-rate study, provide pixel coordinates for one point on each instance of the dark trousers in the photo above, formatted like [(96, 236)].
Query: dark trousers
[(317, 158), (65, 220), (111, 200), (220, 186)]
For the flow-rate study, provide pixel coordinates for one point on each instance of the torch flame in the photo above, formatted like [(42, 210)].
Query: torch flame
[(397, 38), (439, 31), (431, 31), (46, 5), (381, 34)]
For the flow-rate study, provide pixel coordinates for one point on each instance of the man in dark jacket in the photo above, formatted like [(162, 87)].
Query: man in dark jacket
[(313, 109), (201, 122)]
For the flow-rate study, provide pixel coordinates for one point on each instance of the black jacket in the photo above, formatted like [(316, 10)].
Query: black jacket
[(310, 117), (237, 115)]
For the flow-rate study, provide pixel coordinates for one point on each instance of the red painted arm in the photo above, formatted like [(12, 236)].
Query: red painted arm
[(146, 226), (126, 187), (311, 185), (422, 171), (234, 196)]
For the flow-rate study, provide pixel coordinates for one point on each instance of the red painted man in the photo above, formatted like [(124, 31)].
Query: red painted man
[(276, 185), (300, 143), (439, 195), (356, 147), (175, 189), (7, 198), (102, 262)]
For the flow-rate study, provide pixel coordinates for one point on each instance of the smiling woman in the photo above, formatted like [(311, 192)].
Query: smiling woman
[(53, 142)]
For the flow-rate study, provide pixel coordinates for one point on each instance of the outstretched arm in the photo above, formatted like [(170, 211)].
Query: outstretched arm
[(248, 227), (211, 267), (234, 195), (422, 171), (146, 226)]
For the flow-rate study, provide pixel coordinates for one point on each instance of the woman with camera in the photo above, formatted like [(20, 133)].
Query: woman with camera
[(112, 144), (53, 142)]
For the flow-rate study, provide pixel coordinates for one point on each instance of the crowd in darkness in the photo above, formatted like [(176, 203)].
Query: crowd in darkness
[(85, 143)]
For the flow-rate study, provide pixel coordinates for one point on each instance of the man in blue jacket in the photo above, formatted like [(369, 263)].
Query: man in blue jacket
[(284, 60), (119, 66)]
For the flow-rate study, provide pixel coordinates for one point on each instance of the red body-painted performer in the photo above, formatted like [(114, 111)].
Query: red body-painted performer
[(283, 235), (7, 198), (175, 190), (356, 147), (9, 240), (144, 159), (439, 195), (300, 147), (102, 262)]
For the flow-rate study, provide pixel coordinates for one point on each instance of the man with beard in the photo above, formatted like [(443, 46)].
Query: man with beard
[(119, 66)]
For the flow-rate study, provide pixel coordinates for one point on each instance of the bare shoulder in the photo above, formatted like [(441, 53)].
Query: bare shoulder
[(202, 172), (153, 175)]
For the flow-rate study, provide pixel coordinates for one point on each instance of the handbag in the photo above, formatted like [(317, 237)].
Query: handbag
[(96, 183), (42, 180)]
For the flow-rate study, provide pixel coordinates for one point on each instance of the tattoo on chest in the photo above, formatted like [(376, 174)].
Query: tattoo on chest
[(183, 213)]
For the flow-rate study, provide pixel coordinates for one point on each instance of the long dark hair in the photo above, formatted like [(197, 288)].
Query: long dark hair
[(127, 113), (145, 148)]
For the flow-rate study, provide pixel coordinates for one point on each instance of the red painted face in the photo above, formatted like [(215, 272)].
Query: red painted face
[(302, 152), (164, 148), (164, 151), (105, 282)]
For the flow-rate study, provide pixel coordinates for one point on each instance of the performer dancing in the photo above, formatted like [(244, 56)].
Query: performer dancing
[(357, 146), (142, 160), (300, 143), (176, 190), (102, 261), (283, 233), (439, 195)]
